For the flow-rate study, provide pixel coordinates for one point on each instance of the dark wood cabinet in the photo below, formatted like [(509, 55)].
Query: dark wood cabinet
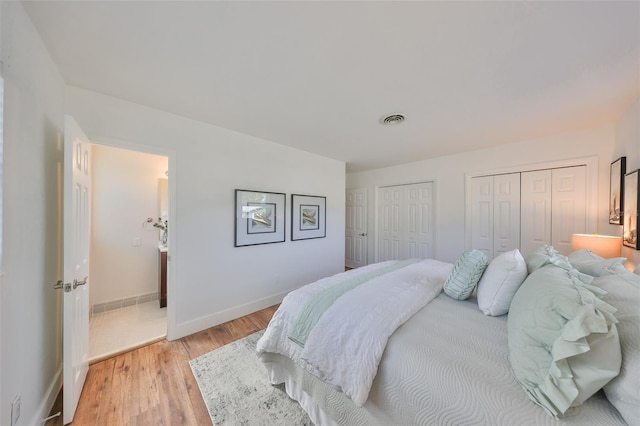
[(162, 277)]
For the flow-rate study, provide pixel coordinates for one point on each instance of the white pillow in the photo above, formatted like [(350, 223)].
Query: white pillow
[(500, 282), (590, 263)]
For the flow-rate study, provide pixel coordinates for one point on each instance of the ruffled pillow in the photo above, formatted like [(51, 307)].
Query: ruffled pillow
[(563, 340), (540, 257)]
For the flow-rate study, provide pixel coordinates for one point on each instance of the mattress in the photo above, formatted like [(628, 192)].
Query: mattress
[(448, 364)]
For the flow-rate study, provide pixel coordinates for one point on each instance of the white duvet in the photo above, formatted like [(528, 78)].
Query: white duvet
[(346, 345)]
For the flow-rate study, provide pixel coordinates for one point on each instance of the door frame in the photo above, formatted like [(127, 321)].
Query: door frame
[(172, 252), (591, 162)]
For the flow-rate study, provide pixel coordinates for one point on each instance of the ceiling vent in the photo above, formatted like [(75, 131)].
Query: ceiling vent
[(393, 119)]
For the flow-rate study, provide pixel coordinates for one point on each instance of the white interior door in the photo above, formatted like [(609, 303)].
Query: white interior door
[(506, 207), (482, 214), (535, 210), (569, 206), (77, 225), (356, 228), (405, 222), (391, 223), (420, 232)]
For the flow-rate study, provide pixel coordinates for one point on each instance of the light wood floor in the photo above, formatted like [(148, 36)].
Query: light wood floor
[(154, 385)]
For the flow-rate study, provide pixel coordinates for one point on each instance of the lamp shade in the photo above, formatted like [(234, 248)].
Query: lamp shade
[(603, 245)]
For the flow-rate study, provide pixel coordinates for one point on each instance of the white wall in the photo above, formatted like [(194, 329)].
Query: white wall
[(449, 174), (212, 280), (33, 126), (627, 143), (125, 193)]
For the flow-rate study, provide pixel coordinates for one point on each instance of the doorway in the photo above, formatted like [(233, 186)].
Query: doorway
[(128, 209)]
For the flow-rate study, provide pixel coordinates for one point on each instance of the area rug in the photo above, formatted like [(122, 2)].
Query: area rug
[(235, 387)]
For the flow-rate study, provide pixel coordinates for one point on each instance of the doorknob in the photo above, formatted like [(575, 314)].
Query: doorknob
[(61, 285), (77, 283), (364, 234)]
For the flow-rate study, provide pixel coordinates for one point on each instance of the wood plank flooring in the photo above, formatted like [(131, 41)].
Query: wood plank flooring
[(154, 385)]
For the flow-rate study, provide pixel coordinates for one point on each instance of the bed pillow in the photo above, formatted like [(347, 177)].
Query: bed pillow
[(623, 292), (465, 275), (590, 263), (539, 257), (500, 282), (563, 340)]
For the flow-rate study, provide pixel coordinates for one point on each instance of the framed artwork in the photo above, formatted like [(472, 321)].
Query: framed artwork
[(259, 217), (630, 224), (616, 191), (308, 217)]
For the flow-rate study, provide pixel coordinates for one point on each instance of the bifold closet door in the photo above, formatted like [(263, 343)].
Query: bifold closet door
[(568, 205), (495, 221), (535, 210), (554, 206), (405, 222)]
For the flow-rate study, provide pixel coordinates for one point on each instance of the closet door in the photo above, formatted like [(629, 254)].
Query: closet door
[(405, 222), (390, 225), (506, 213), (495, 221), (535, 209), (569, 206), (554, 206), (420, 233), (482, 214)]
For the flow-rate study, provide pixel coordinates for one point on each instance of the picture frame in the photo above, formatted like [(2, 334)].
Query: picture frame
[(259, 217), (631, 196), (616, 191), (308, 217)]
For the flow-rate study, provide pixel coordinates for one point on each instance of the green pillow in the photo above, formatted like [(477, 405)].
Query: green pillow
[(563, 340), (465, 275), (540, 257)]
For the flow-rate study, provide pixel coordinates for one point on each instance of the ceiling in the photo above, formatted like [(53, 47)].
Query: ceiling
[(319, 76)]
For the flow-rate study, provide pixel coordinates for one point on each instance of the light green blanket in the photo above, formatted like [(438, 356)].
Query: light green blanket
[(320, 302)]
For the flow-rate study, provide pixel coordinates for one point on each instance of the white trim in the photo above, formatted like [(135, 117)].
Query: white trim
[(44, 408), (591, 162), (193, 326)]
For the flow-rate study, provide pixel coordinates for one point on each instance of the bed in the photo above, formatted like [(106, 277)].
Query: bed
[(445, 362)]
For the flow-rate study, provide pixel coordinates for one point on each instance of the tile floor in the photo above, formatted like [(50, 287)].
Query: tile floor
[(120, 330)]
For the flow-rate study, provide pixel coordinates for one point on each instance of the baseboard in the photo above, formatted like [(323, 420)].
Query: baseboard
[(43, 410), (208, 321)]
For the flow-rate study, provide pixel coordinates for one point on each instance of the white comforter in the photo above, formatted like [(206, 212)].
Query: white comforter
[(345, 346)]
